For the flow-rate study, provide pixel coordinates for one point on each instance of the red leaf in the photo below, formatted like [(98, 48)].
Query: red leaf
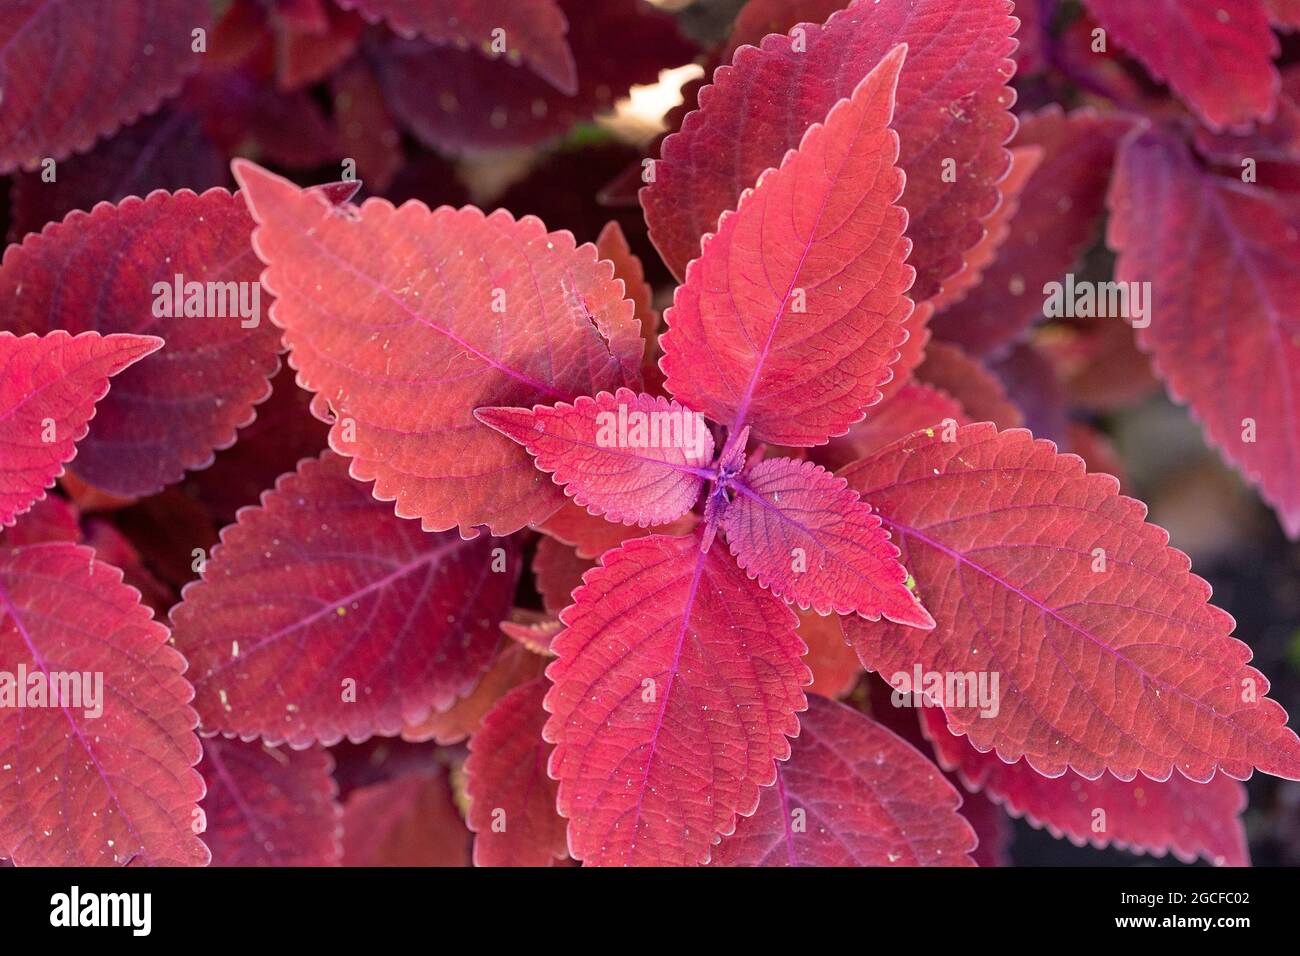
[(408, 821), (462, 101), (852, 794), (913, 407), (104, 272), (389, 317), (321, 590), (1126, 668), (534, 30), (790, 318), (366, 132), (49, 387), (71, 76), (835, 668), (164, 151), (50, 519), (77, 789), (1141, 815), (1219, 255), (636, 459), (804, 534), (591, 536), (511, 799), (558, 571), (515, 665), (612, 245), (1025, 160), (270, 807), (676, 685), (976, 389), (952, 103), (1056, 223), (1218, 57)]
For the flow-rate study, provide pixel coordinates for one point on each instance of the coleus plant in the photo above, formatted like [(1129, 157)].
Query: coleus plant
[(817, 467)]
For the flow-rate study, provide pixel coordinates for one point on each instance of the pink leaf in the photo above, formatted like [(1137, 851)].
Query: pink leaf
[(410, 820), (534, 30), (1107, 654), (72, 73), (1216, 56), (636, 459), (1219, 255), (591, 536), (511, 799), (612, 245), (790, 318), (50, 519), (114, 270), (952, 103), (1060, 208), (1192, 819), (913, 407), (803, 533), (49, 387), (321, 615), (676, 685), (852, 794), (270, 807), (389, 316), (80, 788)]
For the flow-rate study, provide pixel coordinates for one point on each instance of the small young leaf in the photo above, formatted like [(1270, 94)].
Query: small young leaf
[(803, 533), (636, 459)]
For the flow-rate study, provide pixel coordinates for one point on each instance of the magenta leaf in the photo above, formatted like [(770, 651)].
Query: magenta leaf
[(1219, 255), (1095, 646), (952, 104), (789, 320), (852, 794), (557, 572), (1216, 56), (636, 459), (511, 799), (270, 807), (107, 776), (1191, 819), (532, 30), (806, 536), (404, 320), (72, 73), (677, 684), (116, 269), (321, 615), (49, 387)]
